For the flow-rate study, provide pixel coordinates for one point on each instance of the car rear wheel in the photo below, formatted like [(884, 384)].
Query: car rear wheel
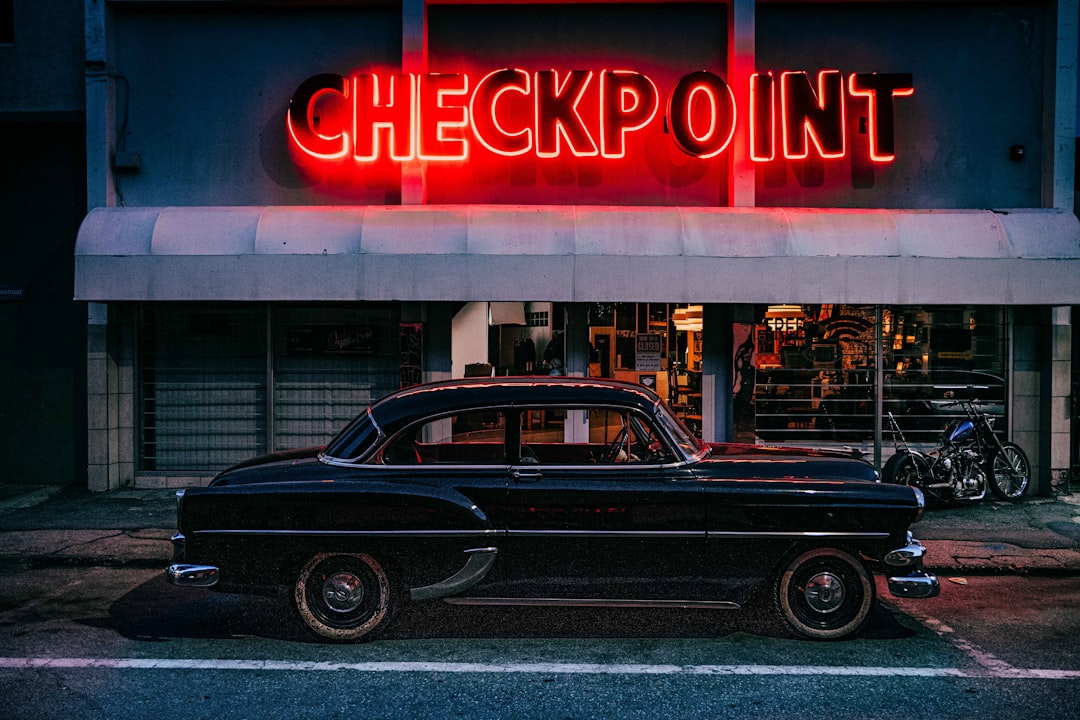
[(344, 597), (824, 594)]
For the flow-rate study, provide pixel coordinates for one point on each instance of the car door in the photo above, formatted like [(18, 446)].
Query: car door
[(595, 514), (463, 458)]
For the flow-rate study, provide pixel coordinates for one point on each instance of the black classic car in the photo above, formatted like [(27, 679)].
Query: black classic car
[(548, 491)]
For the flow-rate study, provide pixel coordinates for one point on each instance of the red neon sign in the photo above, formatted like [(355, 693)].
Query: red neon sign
[(512, 112)]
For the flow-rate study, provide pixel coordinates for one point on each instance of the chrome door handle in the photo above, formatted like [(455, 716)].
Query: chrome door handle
[(524, 475)]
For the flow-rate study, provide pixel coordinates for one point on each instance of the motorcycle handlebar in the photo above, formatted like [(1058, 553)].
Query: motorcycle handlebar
[(954, 403)]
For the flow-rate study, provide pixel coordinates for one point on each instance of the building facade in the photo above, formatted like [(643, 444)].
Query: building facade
[(43, 201), (791, 219)]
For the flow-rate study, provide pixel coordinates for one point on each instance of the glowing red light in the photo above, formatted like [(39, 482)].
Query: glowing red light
[(511, 112), (488, 100), (762, 117), (441, 117), (813, 116), (628, 102), (306, 129), (702, 94), (880, 91)]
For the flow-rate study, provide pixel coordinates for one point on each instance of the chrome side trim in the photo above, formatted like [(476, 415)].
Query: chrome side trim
[(608, 533), (595, 602), (709, 534), (358, 533), (476, 567), (192, 575), (804, 534)]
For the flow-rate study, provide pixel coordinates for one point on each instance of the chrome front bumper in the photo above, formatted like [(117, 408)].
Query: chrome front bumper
[(192, 575), (917, 583)]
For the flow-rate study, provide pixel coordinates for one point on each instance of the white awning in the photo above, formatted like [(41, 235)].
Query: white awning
[(579, 254)]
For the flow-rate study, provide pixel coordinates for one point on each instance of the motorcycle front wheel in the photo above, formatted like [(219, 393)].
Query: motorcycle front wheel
[(1009, 473)]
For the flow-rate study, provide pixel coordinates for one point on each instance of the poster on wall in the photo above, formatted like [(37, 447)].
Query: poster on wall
[(647, 352), (411, 347)]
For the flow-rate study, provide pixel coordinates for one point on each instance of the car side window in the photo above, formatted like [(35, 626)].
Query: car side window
[(589, 436), (474, 438)]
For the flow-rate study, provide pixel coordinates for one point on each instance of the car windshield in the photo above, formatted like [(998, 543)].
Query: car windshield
[(356, 440), (687, 442)]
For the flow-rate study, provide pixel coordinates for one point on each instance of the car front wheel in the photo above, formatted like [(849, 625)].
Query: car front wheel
[(824, 594), (344, 597)]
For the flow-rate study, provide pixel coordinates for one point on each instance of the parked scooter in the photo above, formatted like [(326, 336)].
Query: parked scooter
[(970, 458)]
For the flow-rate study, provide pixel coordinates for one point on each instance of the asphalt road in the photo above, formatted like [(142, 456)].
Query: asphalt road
[(121, 643)]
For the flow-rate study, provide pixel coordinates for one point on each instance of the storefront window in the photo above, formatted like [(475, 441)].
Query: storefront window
[(803, 374), (202, 374), (222, 384), (935, 356), (328, 363), (813, 372)]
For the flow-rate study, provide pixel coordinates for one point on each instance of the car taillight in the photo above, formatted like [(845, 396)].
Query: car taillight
[(921, 500)]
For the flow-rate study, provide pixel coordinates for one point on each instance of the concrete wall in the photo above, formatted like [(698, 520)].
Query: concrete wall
[(42, 191), (204, 90), (42, 71)]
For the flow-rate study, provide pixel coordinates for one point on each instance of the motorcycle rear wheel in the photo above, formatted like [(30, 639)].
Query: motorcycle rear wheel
[(905, 469), (900, 469), (1008, 472)]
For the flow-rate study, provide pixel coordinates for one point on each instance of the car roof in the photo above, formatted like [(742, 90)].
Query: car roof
[(475, 393)]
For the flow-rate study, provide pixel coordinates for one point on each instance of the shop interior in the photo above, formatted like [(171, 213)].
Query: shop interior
[(801, 373)]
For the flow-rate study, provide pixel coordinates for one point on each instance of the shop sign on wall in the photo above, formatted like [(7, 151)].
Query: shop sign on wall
[(511, 112), (12, 292), (411, 349), (330, 340)]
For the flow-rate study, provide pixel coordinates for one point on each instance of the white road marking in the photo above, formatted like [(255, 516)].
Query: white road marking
[(992, 665), (1007, 672)]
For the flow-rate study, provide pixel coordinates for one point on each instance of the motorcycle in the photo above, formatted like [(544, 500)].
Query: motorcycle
[(970, 459)]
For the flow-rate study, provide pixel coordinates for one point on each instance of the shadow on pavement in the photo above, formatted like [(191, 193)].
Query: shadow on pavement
[(157, 611)]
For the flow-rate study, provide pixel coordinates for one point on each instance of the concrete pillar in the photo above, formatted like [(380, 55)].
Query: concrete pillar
[(110, 400), (1030, 417), (414, 60), (1059, 115), (97, 397), (438, 356), (717, 419), (1060, 396), (741, 59), (100, 107), (576, 344)]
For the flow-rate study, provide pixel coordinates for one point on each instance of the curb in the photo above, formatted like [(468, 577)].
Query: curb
[(34, 549), (997, 558), (150, 548)]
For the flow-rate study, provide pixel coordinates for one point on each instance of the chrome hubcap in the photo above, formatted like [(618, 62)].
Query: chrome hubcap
[(343, 592), (824, 592)]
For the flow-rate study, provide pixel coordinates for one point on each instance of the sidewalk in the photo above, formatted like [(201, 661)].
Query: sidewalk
[(44, 526)]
